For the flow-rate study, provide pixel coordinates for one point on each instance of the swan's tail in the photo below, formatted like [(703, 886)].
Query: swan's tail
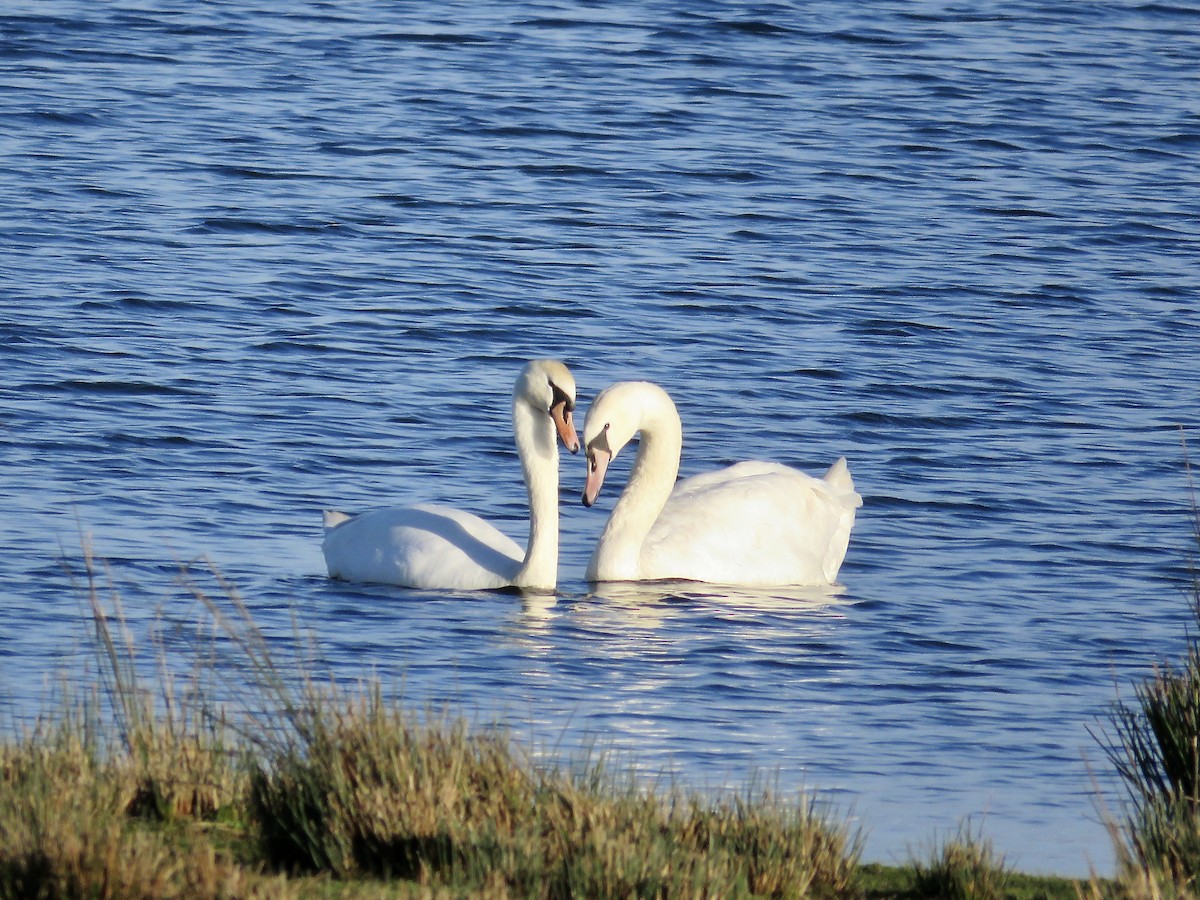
[(333, 518), (838, 478)]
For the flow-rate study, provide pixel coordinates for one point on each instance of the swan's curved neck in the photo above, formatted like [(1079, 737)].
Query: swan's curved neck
[(618, 552), (538, 448)]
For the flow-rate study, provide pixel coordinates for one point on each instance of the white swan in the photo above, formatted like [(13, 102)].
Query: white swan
[(437, 547), (754, 523)]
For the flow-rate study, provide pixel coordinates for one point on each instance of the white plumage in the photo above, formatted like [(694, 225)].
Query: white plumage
[(753, 523)]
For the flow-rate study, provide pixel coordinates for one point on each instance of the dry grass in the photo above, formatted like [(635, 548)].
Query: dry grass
[(966, 867), (80, 789), (66, 829), (372, 792)]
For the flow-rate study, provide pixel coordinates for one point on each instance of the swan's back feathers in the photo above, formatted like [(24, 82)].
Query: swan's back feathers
[(754, 523), (422, 546)]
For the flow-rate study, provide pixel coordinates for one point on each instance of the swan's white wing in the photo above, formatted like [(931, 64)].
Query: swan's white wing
[(423, 546), (753, 523)]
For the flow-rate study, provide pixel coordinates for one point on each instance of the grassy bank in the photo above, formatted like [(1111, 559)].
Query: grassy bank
[(297, 788)]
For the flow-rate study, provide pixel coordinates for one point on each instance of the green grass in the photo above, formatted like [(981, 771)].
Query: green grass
[(907, 883)]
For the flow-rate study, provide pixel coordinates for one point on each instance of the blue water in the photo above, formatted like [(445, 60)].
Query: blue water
[(257, 263)]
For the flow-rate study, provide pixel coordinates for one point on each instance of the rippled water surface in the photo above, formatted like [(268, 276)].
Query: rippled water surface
[(254, 264)]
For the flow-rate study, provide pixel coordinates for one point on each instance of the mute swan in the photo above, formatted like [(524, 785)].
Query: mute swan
[(754, 523), (437, 547)]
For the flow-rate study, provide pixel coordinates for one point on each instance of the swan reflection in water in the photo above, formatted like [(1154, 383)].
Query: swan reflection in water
[(650, 603), (778, 599)]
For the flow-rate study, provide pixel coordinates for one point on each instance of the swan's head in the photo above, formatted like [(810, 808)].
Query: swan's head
[(548, 386), (613, 420)]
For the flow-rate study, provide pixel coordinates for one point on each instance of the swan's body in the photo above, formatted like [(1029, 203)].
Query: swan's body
[(754, 523), (438, 547)]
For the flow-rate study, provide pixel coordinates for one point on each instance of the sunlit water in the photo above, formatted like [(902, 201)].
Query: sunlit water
[(255, 264)]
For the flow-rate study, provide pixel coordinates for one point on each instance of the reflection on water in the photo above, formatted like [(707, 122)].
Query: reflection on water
[(660, 669), (779, 599), (650, 604), (612, 609)]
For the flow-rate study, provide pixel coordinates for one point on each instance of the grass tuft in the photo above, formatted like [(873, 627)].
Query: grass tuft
[(65, 830), (965, 867), (1155, 748)]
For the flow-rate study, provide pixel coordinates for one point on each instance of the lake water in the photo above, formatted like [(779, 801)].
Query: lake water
[(255, 263)]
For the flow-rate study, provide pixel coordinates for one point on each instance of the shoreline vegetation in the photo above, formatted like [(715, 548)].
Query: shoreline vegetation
[(289, 786)]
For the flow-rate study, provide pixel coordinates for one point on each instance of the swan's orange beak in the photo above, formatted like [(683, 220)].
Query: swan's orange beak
[(597, 463), (564, 421)]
